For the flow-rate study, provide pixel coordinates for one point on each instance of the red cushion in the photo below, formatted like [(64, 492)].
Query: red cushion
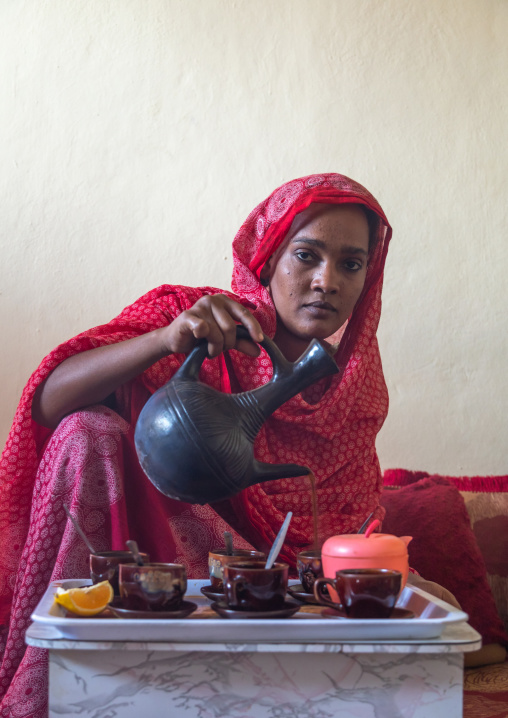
[(486, 500), (444, 548)]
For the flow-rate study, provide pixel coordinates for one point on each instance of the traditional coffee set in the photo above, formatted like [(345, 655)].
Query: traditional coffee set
[(354, 576), (195, 444)]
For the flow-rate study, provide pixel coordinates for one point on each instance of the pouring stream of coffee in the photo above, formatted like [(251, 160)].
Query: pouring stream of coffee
[(133, 547), (228, 540), (279, 540), (79, 530)]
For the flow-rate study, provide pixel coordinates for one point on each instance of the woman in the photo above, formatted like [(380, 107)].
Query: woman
[(308, 262)]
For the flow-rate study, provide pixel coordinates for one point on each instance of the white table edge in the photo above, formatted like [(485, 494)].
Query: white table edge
[(456, 638)]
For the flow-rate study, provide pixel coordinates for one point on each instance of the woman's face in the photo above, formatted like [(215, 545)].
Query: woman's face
[(317, 276)]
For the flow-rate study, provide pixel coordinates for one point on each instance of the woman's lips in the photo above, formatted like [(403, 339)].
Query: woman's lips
[(320, 308)]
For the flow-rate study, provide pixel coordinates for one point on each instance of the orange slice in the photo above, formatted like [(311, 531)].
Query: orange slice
[(86, 601)]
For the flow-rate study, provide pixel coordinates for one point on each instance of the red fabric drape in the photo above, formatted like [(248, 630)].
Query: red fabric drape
[(90, 462)]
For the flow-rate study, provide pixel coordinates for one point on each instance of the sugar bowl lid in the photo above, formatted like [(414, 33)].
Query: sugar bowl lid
[(365, 546)]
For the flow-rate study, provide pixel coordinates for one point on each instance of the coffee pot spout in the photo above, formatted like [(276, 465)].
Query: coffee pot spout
[(267, 472)]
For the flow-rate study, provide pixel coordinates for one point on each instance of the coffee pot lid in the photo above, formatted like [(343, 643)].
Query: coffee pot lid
[(362, 546)]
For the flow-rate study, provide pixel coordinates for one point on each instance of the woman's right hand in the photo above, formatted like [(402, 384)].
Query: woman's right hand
[(214, 318), (91, 376)]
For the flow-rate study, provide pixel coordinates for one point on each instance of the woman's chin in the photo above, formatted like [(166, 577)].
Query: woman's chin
[(293, 345)]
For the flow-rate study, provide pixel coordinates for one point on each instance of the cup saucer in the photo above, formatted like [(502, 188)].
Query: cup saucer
[(297, 591), (397, 613), (288, 609), (211, 593), (185, 609)]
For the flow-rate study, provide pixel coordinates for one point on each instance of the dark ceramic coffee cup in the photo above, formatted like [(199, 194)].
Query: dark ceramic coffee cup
[(152, 587), (363, 592), (309, 567), (249, 586), (104, 566), (218, 558)]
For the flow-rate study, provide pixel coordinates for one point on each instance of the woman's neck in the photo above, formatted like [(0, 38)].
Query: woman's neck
[(293, 347), (290, 345)]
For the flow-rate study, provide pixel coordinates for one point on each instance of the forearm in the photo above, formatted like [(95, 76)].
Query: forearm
[(90, 377)]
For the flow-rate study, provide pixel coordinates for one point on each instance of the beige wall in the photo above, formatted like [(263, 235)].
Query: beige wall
[(136, 135)]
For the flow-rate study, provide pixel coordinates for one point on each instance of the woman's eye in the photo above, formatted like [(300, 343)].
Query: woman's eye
[(353, 265), (304, 256)]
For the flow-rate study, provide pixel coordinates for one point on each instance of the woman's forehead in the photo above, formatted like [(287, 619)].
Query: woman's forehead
[(318, 209)]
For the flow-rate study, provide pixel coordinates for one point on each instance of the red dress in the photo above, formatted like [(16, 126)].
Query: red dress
[(89, 461)]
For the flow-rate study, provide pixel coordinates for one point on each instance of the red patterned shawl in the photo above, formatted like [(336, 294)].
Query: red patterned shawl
[(334, 434)]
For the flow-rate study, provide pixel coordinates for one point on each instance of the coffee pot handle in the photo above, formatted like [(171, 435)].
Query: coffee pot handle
[(280, 364), (190, 368)]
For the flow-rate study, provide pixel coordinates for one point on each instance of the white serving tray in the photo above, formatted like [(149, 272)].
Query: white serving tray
[(431, 617)]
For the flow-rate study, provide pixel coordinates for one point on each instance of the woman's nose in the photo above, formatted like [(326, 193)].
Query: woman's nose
[(326, 279)]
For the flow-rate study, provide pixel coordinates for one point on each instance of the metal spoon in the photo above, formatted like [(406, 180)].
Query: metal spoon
[(79, 530), (279, 540), (363, 527), (133, 548), (228, 540)]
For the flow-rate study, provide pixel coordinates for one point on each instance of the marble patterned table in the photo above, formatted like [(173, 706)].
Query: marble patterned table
[(411, 679)]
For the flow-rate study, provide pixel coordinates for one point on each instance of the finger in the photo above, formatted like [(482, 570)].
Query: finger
[(242, 315), (247, 347), (182, 334), (225, 324), (207, 328), (199, 327)]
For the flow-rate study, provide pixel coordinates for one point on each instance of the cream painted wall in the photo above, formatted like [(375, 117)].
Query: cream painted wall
[(136, 136)]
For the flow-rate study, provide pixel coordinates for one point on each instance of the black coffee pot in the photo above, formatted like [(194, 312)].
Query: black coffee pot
[(195, 443)]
